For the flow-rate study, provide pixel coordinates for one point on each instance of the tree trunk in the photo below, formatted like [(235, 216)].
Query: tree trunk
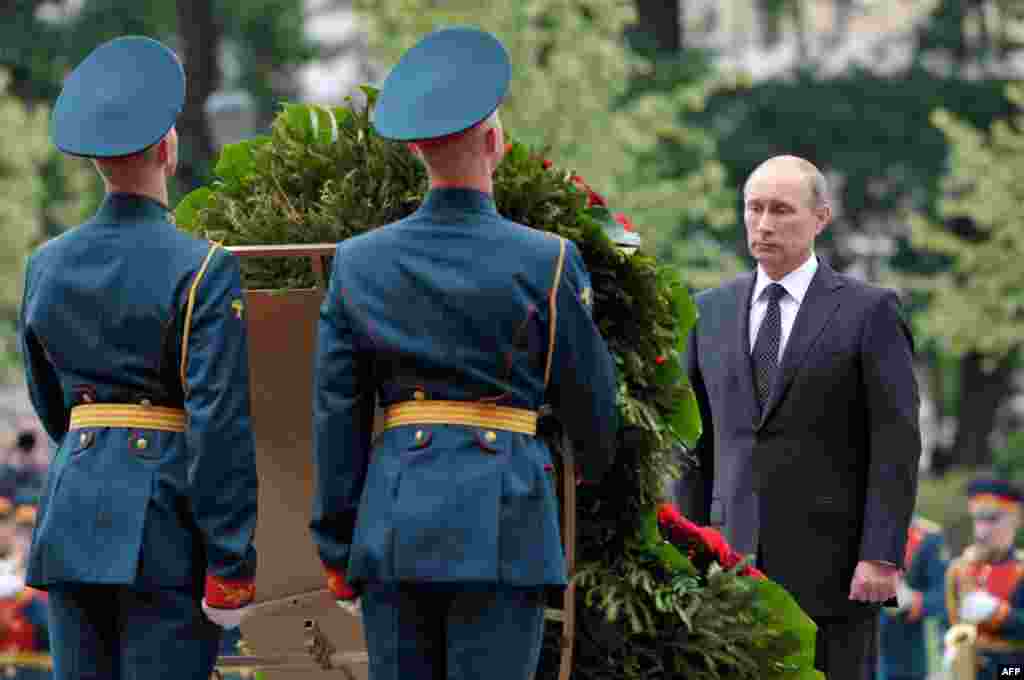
[(770, 20), (981, 395), (803, 47), (200, 45), (843, 10), (659, 24)]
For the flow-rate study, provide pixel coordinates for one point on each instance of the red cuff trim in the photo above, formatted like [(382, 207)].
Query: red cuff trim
[(224, 594), (338, 585), (916, 608)]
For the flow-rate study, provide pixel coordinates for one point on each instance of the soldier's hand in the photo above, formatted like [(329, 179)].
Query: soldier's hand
[(226, 618), (978, 606), (948, 657)]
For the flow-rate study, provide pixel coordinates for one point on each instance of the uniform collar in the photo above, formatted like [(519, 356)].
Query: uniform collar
[(117, 207), (796, 282), (465, 200)]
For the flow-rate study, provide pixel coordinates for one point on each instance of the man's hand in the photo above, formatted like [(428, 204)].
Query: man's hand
[(226, 618), (874, 582), (978, 607)]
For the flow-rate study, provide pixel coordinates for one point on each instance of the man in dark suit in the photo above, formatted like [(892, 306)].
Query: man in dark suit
[(811, 442)]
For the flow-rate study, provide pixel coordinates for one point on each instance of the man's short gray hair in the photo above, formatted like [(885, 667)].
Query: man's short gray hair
[(819, 188), (816, 182)]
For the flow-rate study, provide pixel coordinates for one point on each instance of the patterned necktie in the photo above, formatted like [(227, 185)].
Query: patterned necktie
[(766, 348)]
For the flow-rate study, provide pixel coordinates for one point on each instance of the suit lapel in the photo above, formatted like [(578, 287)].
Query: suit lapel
[(741, 343), (819, 304)]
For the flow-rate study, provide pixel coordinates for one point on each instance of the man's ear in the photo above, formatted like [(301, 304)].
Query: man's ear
[(492, 140), (824, 217)]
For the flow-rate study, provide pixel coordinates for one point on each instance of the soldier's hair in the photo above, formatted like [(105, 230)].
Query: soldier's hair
[(108, 166)]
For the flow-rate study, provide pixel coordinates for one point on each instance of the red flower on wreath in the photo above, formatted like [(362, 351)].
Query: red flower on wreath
[(624, 221), (702, 544), (593, 198)]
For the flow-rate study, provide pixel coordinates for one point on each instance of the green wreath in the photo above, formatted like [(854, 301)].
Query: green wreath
[(645, 610)]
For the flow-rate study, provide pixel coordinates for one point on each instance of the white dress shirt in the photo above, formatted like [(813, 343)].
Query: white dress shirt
[(796, 284)]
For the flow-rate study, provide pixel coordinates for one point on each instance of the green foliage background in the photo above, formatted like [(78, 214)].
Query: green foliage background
[(27, 165), (619, 117), (977, 303), (323, 175)]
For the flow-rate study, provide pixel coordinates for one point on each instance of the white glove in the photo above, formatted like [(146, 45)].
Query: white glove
[(10, 584), (226, 618), (947, 659), (351, 607), (978, 606), (904, 596)]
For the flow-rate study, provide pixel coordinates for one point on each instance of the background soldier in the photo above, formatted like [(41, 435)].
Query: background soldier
[(984, 585), (465, 324), (903, 649), (137, 366)]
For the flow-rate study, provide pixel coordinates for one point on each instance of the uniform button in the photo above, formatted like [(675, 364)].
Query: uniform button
[(419, 395), (419, 435), (86, 397), (141, 443), (83, 438), (146, 402), (490, 436)]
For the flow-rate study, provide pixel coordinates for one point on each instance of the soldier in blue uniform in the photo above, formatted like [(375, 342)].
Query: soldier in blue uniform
[(903, 648), (985, 585), (463, 324), (137, 365)]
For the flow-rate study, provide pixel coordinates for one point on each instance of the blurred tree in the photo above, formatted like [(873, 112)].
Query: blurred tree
[(258, 44), (265, 41), (871, 133), (24, 148), (200, 36), (977, 303), (573, 92), (683, 164)]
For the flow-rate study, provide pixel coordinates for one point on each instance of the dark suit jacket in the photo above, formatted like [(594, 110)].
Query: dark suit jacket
[(827, 475)]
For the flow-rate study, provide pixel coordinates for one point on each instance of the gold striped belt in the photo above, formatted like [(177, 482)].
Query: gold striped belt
[(128, 415), (472, 414)]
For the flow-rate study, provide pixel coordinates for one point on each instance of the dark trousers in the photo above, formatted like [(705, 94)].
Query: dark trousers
[(847, 648), (100, 632), (420, 632)]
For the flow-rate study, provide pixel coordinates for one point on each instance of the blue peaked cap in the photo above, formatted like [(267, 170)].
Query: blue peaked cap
[(123, 98), (451, 80), (995, 487)]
